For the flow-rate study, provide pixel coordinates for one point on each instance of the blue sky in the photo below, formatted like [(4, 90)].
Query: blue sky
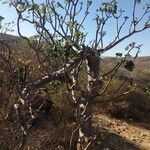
[(141, 38)]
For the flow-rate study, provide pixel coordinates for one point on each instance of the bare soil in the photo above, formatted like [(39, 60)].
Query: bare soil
[(122, 134)]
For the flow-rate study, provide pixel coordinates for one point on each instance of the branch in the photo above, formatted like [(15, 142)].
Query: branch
[(71, 139), (134, 23), (116, 68)]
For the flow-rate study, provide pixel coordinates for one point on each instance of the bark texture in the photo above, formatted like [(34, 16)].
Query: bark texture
[(84, 108)]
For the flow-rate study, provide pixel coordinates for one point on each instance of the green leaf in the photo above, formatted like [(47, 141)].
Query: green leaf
[(74, 54), (129, 65), (70, 25), (78, 34), (35, 7), (67, 50), (21, 5), (55, 52), (109, 7)]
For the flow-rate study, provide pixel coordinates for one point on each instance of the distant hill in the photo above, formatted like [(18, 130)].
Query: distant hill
[(142, 64), (9, 38), (141, 73)]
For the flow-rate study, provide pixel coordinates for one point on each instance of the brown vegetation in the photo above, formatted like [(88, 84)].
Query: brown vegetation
[(53, 129)]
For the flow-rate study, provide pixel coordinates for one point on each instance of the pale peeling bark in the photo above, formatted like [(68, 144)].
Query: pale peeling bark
[(93, 69), (28, 91), (25, 100), (21, 116), (84, 109)]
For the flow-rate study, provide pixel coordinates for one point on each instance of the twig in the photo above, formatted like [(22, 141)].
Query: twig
[(71, 139)]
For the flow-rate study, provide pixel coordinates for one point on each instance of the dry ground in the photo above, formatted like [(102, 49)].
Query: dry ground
[(122, 135)]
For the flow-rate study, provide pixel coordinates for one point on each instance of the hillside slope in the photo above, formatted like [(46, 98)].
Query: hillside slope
[(141, 71), (123, 123), (122, 135)]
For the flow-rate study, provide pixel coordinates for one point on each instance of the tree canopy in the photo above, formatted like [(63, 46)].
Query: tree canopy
[(61, 39)]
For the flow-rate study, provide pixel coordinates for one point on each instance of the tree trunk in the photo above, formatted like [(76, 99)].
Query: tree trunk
[(84, 108)]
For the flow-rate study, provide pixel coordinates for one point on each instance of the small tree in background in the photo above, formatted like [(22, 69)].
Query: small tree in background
[(61, 37)]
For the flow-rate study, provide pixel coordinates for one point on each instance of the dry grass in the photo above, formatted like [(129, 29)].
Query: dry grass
[(54, 131)]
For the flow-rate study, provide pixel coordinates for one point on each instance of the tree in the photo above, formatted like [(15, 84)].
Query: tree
[(60, 35)]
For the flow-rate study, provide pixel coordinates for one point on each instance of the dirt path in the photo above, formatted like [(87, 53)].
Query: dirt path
[(132, 136)]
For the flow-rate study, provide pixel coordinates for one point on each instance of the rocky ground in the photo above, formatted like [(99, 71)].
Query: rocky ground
[(122, 134)]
